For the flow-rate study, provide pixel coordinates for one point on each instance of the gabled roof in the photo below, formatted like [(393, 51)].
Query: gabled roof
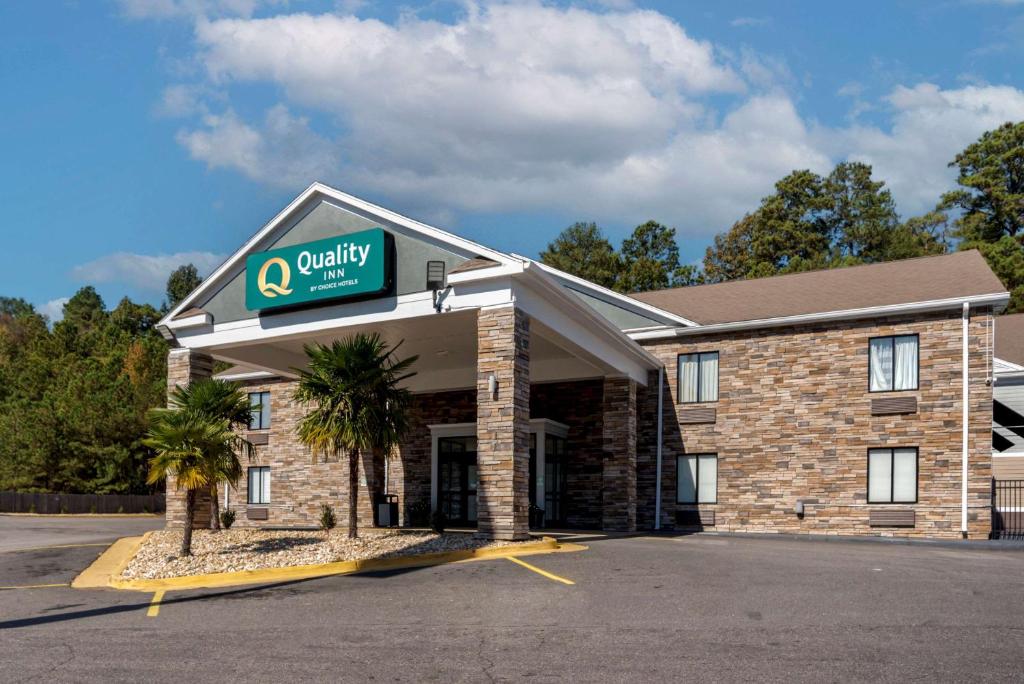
[(475, 264), (237, 260), (1009, 339), (893, 283)]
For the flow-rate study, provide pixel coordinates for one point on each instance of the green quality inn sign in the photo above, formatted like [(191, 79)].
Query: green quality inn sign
[(342, 266)]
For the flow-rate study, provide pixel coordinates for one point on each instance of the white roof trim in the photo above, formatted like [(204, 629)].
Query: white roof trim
[(995, 299), (1008, 366), (199, 319), (248, 375), (551, 284), (603, 293), (327, 191)]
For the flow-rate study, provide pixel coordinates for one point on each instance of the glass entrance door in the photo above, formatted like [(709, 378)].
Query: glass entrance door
[(457, 474), (555, 482)]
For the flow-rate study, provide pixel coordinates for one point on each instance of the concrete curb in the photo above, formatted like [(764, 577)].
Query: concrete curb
[(110, 564), (106, 570)]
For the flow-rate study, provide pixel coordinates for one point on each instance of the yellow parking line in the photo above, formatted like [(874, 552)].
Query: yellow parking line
[(35, 586), (154, 605), (545, 573)]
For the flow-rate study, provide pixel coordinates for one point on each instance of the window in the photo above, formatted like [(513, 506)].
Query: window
[(892, 475), (893, 363), (697, 479), (259, 485), (260, 418), (698, 377)]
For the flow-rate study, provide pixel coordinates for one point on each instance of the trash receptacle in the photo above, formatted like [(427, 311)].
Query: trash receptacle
[(386, 510)]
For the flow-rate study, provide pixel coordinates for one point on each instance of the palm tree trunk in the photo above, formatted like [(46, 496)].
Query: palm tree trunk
[(190, 514), (214, 509), (353, 493)]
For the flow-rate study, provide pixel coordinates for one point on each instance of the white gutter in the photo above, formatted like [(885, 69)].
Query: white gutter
[(965, 319), (657, 469), (995, 299)]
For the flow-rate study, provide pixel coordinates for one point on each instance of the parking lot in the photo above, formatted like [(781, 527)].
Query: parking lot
[(698, 607)]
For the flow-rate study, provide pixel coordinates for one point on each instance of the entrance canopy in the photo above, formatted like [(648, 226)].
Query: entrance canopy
[(320, 247)]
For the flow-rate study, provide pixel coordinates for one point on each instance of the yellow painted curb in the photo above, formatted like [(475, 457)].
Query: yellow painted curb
[(301, 572), (110, 564)]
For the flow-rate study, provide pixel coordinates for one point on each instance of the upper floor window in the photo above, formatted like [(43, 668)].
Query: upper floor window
[(260, 417), (893, 363), (698, 377)]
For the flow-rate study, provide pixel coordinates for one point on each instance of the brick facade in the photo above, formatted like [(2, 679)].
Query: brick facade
[(619, 440), (503, 423), (184, 366), (794, 423)]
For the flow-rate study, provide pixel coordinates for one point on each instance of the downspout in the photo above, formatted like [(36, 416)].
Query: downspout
[(966, 415), (657, 476)]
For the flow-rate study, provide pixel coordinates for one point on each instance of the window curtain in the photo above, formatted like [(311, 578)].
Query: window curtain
[(686, 479), (904, 475), (879, 475), (707, 485), (266, 486), (688, 378), (709, 377), (906, 362), (254, 485), (881, 364), (265, 410)]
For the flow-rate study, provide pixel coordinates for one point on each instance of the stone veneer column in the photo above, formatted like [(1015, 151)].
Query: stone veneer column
[(503, 423), (184, 366), (619, 467)]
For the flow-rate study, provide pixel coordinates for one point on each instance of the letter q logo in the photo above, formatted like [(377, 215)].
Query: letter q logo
[(274, 289)]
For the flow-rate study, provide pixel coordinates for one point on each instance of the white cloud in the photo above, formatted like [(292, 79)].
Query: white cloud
[(284, 151), (515, 107), (929, 126), (54, 309), (144, 271)]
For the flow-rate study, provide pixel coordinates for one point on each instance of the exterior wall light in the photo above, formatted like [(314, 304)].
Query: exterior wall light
[(799, 509), (437, 280), (492, 386)]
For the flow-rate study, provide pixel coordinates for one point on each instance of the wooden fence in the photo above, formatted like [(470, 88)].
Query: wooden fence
[(43, 502)]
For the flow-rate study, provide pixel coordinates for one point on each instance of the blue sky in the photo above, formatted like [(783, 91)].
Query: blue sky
[(137, 134)]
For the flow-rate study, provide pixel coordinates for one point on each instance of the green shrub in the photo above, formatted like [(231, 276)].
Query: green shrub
[(327, 519), (92, 509), (419, 513), (32, 508), (438, 521), (227, 518)]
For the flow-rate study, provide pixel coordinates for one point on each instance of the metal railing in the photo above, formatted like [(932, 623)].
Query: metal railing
[(1007, 509)]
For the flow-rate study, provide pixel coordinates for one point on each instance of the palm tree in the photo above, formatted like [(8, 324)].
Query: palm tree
[(218, 400), (352, 387), (182, 440)]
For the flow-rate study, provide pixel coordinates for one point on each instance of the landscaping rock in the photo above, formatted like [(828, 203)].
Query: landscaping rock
[(237, 550)]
